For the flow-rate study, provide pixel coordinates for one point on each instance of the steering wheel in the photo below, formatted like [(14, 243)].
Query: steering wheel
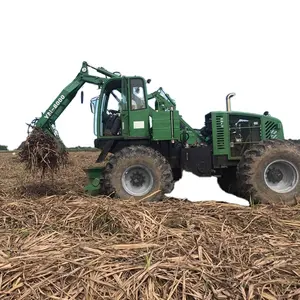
[(112, 111)]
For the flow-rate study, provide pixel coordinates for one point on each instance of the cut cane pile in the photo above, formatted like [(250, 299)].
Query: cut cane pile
[(60, 244), (42, 153)]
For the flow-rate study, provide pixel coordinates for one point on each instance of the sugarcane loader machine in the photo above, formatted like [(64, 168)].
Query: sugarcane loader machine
[(146, 144)]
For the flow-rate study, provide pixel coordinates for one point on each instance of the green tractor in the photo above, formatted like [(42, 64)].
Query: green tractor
[(146, 144)]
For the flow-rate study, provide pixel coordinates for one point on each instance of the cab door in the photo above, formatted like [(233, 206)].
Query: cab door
[(138, 110)]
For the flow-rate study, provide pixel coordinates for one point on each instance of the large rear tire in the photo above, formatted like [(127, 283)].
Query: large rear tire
[(269, 172), (139, 172)]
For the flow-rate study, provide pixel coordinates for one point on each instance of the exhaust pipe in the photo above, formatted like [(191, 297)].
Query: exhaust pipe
[(228, 101)]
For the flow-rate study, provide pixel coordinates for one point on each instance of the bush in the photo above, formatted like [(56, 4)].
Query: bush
[(3, 147)]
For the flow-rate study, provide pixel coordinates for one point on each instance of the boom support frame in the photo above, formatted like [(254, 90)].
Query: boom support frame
[(66, 96)]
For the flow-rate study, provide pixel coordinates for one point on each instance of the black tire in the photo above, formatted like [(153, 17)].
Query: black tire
[(158, 167), (228, 181), (254, 183)]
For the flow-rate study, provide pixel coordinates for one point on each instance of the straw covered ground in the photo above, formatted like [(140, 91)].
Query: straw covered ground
[(57, 243)]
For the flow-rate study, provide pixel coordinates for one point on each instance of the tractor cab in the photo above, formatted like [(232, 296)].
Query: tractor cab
[(107, 108), (121, 109)]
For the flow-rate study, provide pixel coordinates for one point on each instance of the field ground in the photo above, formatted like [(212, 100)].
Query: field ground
[(57, 243)]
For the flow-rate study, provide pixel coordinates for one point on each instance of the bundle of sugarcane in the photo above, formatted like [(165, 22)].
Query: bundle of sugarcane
[(43, 152)]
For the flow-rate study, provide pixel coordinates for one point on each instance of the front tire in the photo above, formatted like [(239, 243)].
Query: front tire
[(269, 172), (138, 172)]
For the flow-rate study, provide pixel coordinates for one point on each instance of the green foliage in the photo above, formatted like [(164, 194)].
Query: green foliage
[(79, 148), (2, 147)]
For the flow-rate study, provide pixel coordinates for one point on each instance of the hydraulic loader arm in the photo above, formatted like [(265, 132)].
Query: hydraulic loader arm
[(163, 102), (57, 107)]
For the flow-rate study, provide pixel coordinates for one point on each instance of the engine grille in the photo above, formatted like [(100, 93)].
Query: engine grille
[(271, 130), (220, 132)]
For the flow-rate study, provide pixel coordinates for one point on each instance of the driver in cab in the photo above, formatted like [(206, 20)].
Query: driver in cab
[(137, 100)]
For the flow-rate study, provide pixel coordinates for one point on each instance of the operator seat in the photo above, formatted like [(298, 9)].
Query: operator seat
[(112, 125)]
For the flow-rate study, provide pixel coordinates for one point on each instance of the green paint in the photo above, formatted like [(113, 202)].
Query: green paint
[(165, 125), (95, 177)]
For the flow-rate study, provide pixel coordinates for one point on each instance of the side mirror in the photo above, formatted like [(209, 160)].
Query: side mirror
[(82, 96), (148, 80)]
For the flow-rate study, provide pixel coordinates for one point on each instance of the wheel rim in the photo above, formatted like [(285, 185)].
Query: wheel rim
[(137, 180), (281, 176)]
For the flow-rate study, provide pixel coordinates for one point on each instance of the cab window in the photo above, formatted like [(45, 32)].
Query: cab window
[(94, 109), (137, 94)]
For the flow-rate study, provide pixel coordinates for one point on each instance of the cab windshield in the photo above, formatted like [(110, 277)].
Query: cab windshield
[(94, 102)]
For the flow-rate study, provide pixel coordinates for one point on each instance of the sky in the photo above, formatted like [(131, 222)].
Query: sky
[(198, 51)]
